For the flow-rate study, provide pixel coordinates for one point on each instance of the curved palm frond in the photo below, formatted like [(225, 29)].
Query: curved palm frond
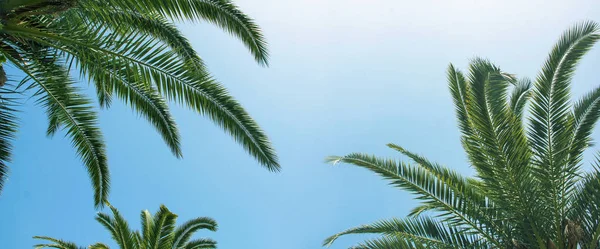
[(99, 246), (550, 132), (520, 96), (529, 190), (67, 107), (222, 13), (58, 244), (431, 191), (158, 232), (184, 232), (118, 228), (586, 113), (8, 128), (131, 50), (201, 244), (423, 231)]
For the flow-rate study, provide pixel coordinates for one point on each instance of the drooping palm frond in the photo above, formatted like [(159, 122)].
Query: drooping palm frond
[(433, 192), (158, 232), (130, 50), (72, 110), (59, 244), (529, 190), (184, 232), (201, 244), (222, 13), (423, 232), (8, 128)]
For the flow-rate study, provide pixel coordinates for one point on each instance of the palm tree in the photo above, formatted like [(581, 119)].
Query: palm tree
[(130, 50), (529, 190), (158, 232)]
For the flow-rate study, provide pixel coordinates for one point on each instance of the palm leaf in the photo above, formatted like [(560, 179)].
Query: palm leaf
[(59, 244), (200, 244), (184, 232), (429, 189), (222, 13), (72, 110), (177, 82), (8, 128), (520, 96)]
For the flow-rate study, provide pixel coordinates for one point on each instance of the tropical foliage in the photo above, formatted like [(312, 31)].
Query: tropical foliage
[(129, 50), (158, 232), (530, 189)]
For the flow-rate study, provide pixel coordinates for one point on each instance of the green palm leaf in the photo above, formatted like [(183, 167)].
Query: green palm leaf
[(184, 232), (68, 108), (222, 13), (201, 244), (158, 232), (8, 128), (529, 190), (131, 50)]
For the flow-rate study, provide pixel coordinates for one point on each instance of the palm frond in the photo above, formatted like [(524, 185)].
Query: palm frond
[(200, 244), (585, 206), (520, 96), (586, 113), (550, 130), (393, 242), (72, 110), (429, 189), (58, 244), (460, 91), (176, 81), (222, 13), (422, 231), (126, 22), (118, 228), (184, 232), (162, 232), (8, 129), (99, 246)]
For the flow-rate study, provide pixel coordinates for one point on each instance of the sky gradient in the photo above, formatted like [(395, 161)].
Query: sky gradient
[(345, 76)]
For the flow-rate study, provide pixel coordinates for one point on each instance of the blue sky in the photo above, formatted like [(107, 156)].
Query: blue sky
[(345, 76)]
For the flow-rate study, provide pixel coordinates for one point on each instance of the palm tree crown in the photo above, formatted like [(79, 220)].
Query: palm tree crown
[(130, 50), (158, 232), (530, 190)]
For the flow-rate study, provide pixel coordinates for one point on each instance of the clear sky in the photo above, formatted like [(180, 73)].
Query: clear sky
[(345, 76)]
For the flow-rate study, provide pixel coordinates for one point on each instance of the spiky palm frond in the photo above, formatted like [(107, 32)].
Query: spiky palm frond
[(520, 96), (66, 107), (423, 232), (529, 190), (158, 232), (8, 128), (433, 192), (59, 244), (130, 50), (201, 244), (222, 13), (184, 232)]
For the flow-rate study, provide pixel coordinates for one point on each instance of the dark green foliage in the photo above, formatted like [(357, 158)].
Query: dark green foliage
[(529, 190), (158, 232), (130, 50)]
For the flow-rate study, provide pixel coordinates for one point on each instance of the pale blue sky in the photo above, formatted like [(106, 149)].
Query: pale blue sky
[(345, 76)]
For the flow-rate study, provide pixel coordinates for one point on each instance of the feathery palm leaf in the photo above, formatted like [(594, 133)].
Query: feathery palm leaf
[(158, 232), (529, 190), (128, 49)]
